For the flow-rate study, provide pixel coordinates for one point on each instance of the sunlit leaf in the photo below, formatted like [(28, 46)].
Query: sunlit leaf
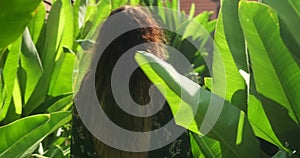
[(276, 76), (57, 34), (14, 17), (61, 77), (182, 94), (36, 24), (230, 51), (289, 15), (9, 74), (31, 68), (21, 143)]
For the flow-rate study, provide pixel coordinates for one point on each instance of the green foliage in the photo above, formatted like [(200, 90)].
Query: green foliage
[(257, 61), (275, 74), (21, 137), (288, 11), (255, 73), (38, 53), (14, 17), (181, 29), (187, 99)]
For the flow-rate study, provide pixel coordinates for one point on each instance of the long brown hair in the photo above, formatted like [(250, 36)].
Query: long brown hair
[(138, 84)]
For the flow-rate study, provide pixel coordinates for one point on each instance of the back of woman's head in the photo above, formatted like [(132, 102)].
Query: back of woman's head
[(130, 26), (127, 30)]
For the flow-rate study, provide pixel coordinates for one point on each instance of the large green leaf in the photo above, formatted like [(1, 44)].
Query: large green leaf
[(14, 17), (259, 119), (230, 52), (36, 24), (9, 73), (289, 20), (20, 138), (56, 35), (231, 128), (61, 79), (233, 32), (31, 68), (275, 75)]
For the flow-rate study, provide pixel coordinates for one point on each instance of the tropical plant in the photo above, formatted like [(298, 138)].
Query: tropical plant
[(181, 28), (38, 53), (255, 71), (41, 54)]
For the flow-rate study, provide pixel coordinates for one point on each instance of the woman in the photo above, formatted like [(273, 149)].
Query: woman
[(84, 144)]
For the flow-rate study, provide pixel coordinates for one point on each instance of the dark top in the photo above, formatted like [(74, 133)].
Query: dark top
[(82, 147)]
